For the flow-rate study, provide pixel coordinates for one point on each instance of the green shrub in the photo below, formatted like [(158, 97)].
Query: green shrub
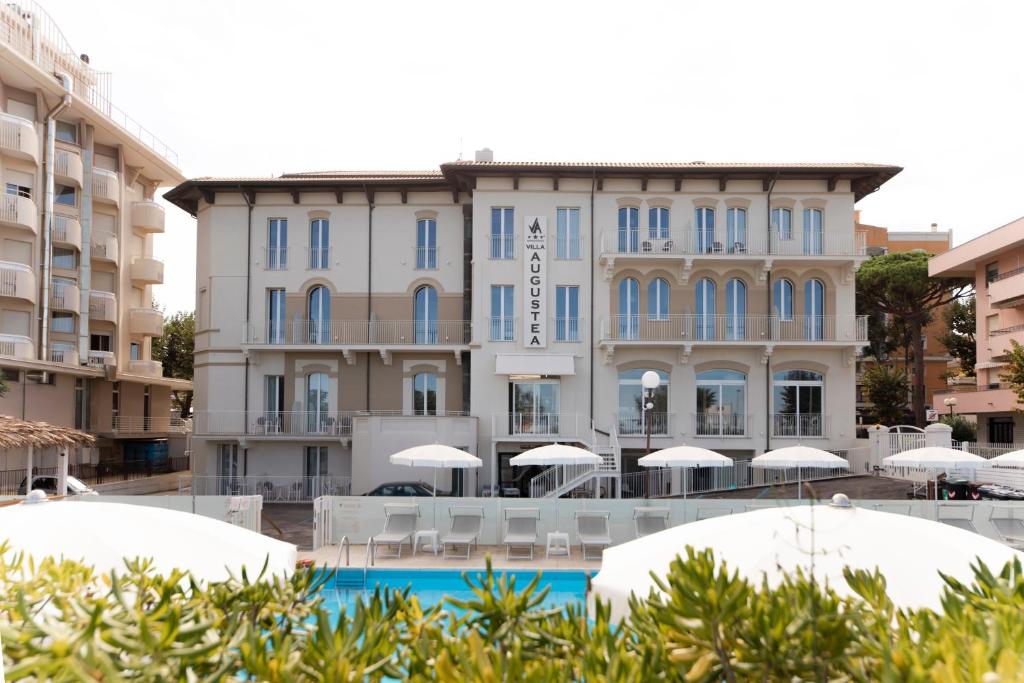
[(61, 622), (963, 429)]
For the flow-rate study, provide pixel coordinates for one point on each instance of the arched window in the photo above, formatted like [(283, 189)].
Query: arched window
[(704, 224), (629, 229), (426, 244), (705, 319), (736, 230), (319, 313), (657, 299), (629, 309), (426, 315), (721, 403), (317, 402), (657, 218), (782, 299), (735, 309), (633, 419), (782, 223), (319, 244), (424, 394), (798, 403), (814, 233), (814, 310)]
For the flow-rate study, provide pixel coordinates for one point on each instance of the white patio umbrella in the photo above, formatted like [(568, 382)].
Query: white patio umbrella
[(555, 454), (798, 457), (909, 551), (1011, 459), (103, 535), (685, 457), (936, 458), (436, 456)]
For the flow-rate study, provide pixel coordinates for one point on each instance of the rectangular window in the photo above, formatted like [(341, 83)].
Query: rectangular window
[(503, 233), (657, 218), (782, 223), (991, 273), (135, 351), (64, 195), (65, 258), (67, 132), (62, 322), (277, 244), (319, 244), (275, 316), (17, 190), (115, 403), (502, 318), (991, 323), (146, 405), (10, 375), (426, 244), (99, 342), (567, 237), (81, 404), (567, 312)]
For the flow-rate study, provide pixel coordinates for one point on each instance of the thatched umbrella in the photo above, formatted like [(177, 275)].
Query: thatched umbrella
[(15, 433)]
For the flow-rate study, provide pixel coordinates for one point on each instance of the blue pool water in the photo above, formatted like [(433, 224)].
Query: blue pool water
[(431, 586)]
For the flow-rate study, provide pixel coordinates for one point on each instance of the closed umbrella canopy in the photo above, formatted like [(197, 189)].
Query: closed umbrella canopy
[(1011, 459), (103, 535), (685, 456), (798, 456), (909, 551), (936, 457), (436, 456), (555, 454)]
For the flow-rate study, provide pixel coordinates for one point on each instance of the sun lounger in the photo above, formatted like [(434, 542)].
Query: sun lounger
[(520, 531), (1009, 526), (464, 531), (647, 521), (708, 513), (592, 530), (399, 526)]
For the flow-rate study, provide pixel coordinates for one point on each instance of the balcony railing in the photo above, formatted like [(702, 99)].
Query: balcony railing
[(16, 346), (99, 359), (567, 329), (67, 166), (798, 425), (18, 137), (19, 212), (317, 258), (65, 296), (64, 354), (149, 368), (502, 247), (67, 231), (104, 246), (148, 217), (358, 332), (103, 306), (17, 280), (540, 424), (567, 248), (105, 187), (146, 321), (502, 329), (275, 258), (738, 328), (274, 489), (426, 258), (143, 425), (647, 242), (719, 424), (147, 270), (635, 422), (293, 423)]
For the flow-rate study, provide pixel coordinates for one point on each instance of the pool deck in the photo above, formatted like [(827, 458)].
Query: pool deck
[(328, 556)]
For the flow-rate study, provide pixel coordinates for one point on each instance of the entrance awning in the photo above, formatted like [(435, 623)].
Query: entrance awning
[(533, 364)]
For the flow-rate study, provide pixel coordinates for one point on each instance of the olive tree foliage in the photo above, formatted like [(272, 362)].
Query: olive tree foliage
[(59, 621), (898, 285)]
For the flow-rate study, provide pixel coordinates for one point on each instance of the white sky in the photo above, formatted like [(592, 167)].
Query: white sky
[(256, 88)]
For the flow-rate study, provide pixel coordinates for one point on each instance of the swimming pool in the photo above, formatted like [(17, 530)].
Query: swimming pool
[(431, 586)]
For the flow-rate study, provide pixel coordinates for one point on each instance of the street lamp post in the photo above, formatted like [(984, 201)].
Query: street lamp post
[(950, 403), (650, 382)]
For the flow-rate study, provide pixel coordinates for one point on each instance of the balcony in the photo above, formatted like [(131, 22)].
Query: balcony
[(102, 307), (146, 321), (1006, 290), (18, 138), (16, 346), (149, 368), (100, 359), (67, 168), (19, 212), (148, 217), (799, 425), (675, 330), (105, 188), (275, 423), (130, 424), (17, 281), (721, 425), (103, 246), (67, 231), (632, 422), (147, 271), (540, 426), (67, 355), (359, 333), (65, 296)]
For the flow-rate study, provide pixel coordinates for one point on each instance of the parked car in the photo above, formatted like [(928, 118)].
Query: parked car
[(48, 484), (405, 488)]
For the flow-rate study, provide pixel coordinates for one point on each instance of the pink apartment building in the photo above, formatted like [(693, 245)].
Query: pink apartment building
[(996, 262)]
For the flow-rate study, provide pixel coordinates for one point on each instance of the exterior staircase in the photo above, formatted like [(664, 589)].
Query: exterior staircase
[(559, 480)]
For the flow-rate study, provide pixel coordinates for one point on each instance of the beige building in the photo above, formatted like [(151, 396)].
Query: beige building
[(77, 220), (498, 306)]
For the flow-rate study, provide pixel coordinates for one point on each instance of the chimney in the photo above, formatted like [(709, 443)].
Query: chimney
[(856, 215), (935, 227), (485, 154)]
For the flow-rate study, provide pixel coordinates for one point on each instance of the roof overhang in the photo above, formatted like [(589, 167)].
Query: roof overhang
[(962, 261)]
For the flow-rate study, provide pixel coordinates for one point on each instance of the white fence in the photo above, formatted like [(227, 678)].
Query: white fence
[(273, 489), (243, 511)]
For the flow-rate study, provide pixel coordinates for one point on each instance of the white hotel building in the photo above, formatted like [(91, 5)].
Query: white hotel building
[(498, 306)]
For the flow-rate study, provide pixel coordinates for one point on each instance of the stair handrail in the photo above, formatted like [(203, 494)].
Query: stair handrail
[(342, 545), (368, 559)]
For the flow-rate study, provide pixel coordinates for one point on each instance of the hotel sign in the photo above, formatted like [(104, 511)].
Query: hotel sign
[(535, 275)]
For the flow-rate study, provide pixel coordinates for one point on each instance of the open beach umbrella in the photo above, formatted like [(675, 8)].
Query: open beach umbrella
[(936, 458), (103, 535), (685, 457), (799, 457), (1011, 459), (556, 454), (909, 551), (436, 456)]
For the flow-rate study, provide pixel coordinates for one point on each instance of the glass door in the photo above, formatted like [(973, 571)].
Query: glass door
[(535, 407), (228, 469), (315, 472), (629, 230)]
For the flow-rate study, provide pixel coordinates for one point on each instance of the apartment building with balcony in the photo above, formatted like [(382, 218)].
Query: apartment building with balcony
[(878, 241), (995, 261), (77, 219), (371, 311)]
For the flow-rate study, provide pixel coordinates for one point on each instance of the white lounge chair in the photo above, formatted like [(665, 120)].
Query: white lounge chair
[(1009, 526), (520, 531), (960, 516), (399, 527), (592, 530), (464, 531), (647, 521), (710, 513)]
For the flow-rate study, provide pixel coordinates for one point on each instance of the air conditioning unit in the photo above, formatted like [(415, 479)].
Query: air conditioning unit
[(37, 376)]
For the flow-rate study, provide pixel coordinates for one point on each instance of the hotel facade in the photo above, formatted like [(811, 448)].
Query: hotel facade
[(77, 220), (497, 306)]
